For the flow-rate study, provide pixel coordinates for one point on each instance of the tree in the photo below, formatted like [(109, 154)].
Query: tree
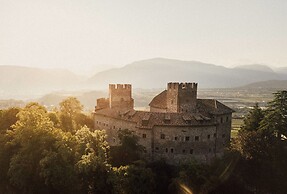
[(30, 137), (263, 151), (253, 119), (129, 149), (134, 179), (275, 120), (8, 118), (71, 116), (92, 166)]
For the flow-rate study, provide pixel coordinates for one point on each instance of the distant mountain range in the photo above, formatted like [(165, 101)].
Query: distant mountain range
[(155, 73), (27, 82), (270, 84)]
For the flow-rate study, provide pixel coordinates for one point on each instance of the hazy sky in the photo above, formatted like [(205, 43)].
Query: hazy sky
[(87, 34)]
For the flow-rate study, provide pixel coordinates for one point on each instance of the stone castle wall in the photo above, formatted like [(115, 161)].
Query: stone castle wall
[(174, 143)]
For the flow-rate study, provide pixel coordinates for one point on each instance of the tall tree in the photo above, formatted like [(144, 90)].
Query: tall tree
[(129, 149), (252, 119), (8, 118), (275, 120)]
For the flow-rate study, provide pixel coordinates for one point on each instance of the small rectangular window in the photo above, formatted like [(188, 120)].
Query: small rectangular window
[(227, 119), (208, 136), (214, 135), (191, 151), (187, 138), (144, 135), (162, 136), (183, 151), (196, 138), (171, 150), (156, 148), (175, 138), (166, 150)]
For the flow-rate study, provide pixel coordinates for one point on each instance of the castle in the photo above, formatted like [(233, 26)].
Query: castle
[(178, 128)]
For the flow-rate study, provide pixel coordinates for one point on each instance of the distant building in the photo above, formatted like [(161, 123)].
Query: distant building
[(178, 128)]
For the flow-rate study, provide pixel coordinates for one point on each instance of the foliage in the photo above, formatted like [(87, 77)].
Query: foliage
[(129, 149), (253, 119), (57, 152), (71, 116), (275, 120), (8, 118), (135, 179)]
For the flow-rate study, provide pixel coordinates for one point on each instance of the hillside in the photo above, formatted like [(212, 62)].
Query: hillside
[(256, 67), (155, 73), (270, 84), (27, 82)]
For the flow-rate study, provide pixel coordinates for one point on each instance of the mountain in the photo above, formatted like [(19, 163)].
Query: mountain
[(256, 67), (87, 98), (26, 82), (270, 84), (281, 70), (155, 73)]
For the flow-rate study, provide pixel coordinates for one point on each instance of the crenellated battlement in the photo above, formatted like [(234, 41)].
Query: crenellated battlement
[(181, 97), (120, 86), (182, 85), (120, 96)]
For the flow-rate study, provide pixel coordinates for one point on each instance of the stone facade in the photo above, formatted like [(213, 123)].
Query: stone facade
[(178, 128)]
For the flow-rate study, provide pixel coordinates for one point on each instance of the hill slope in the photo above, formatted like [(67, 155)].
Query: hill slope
[(155, 73), (270, 84), (26, 81)]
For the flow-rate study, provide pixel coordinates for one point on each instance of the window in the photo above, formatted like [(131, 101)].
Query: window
[(183, 151), (166, 150), (114, 127), (221, 120), (144, 135), (214, 135), (171, 150), (191, 151), (187, 138), (196, 138), (227, 119), (114, 140), (156, 148), (175, 138), (162, 136), (208, 136)]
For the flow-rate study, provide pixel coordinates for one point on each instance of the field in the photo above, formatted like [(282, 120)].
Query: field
[(236, 124)]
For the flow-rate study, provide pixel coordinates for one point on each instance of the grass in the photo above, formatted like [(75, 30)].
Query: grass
[(236, 124)]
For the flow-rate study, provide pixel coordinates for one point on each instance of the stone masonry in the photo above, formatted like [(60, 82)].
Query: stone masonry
[(178, 128)]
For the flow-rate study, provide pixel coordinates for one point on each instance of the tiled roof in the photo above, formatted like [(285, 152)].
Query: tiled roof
[(159, 101), (212, 106), (144, 119)]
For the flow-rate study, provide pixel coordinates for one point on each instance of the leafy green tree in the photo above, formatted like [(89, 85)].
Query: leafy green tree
[(135, 179), (129, 149), (31, 135), (71, 116), (71, 107), (253, 119), (92, 166), (8, 118)]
